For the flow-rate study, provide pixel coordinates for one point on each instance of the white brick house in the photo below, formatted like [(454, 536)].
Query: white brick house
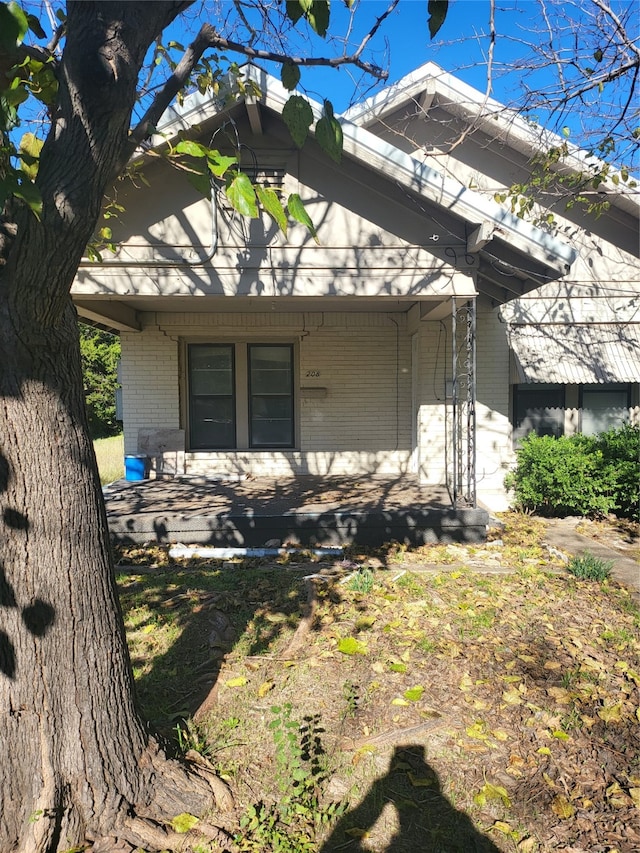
[(413, 339)]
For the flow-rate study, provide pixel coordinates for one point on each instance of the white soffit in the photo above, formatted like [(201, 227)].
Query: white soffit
[(576, 354)]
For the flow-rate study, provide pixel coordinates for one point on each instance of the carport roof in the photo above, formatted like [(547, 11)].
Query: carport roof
[(576, 354)]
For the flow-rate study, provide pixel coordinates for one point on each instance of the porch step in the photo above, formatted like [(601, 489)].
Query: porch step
[(335, 527)]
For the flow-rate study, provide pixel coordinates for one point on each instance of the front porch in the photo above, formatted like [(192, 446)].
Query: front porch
[(309, 511)]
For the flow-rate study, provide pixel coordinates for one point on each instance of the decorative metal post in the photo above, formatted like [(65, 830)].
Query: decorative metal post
[(463, 426)]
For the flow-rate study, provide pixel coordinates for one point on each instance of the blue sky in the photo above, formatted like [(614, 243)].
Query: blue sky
[(460, 46)]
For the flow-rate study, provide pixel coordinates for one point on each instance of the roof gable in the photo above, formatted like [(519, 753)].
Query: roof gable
[(429, 86), (528, 254)]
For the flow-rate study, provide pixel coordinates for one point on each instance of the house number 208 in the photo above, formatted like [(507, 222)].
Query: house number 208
[(312, 373)]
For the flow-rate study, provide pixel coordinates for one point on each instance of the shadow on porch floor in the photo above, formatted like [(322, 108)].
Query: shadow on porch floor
[(305, 510)]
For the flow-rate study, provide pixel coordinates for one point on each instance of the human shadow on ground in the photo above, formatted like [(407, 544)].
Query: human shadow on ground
[(426, 821)]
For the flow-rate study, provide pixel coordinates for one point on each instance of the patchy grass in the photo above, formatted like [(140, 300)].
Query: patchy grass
[(110, 456), (439, 708)]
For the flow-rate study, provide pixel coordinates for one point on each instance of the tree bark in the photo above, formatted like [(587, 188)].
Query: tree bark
[(77, 760)]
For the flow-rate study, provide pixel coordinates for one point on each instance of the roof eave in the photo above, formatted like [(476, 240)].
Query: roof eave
[(399, 167)]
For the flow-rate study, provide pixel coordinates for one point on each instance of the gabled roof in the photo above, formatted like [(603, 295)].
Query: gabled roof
[(430, 85), (525, 252)]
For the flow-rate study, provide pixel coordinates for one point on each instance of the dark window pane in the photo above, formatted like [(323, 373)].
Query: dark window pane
[(539, 410), (271, 395), (211, 397), (604, 408), (271, 381), (211, 357), (211, 369), (266, 432), (212, 422)]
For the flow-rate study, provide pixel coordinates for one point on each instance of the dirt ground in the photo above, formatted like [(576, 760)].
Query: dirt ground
[(452, 698)]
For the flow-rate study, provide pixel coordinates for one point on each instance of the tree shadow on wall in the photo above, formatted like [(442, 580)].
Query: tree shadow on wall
[(426, 821)]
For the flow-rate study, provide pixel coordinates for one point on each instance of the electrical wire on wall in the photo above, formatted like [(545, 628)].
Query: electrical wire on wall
[(441, 333)]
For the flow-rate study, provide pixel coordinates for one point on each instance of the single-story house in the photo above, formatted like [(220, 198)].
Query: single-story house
[(426, 330)]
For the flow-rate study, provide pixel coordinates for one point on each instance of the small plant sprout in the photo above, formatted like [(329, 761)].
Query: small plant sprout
[(589, 567)]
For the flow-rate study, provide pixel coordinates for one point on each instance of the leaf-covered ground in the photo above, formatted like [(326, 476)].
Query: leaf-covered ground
[(438, 707)]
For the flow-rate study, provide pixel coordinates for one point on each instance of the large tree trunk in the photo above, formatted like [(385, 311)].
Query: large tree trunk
[(77, 761), (76, 757)]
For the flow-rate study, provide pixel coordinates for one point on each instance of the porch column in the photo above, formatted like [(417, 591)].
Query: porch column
[(461, 473)]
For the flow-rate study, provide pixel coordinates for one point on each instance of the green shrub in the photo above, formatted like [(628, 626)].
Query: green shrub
[(620, 450), (579, 474), (100, 352), (591, 568)]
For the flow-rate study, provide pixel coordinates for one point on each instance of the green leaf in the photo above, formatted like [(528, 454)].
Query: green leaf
[(16, 94), (290, 75), (29, 152), (298, 116), (36, 27), (437, 10), (329, 133), (242, 195), (219, 163), (14, 26), (598, 55), (190, 148), (201, 182), (297, 212), (294, 10), (270, 202), (315, 11), (184, 822), (414, 694), (351, 646), (318, 16), (30, 194)]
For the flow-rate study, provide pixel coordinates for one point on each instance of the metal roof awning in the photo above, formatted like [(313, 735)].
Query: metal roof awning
[(575, 354)]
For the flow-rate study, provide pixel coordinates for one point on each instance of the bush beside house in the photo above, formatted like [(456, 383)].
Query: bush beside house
[(579, 474), (100, 353)]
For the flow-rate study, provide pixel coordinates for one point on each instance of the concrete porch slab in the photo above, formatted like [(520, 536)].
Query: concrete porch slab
[(312, 511)]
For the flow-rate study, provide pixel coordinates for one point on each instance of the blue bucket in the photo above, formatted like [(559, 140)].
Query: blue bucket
[(135, 468)]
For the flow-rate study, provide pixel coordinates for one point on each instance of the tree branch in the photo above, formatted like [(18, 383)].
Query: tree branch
[(309, 61), (208, 38), (374, 29), (174, 84), (606, 9)]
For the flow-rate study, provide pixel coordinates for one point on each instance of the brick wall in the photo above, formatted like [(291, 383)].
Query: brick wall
[(353, 390), (149, 384)]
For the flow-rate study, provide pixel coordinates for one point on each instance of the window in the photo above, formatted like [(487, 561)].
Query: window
[(270, 396), (538, 408), (590, 408), (240, 396), (603, 407), (212, 396)]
